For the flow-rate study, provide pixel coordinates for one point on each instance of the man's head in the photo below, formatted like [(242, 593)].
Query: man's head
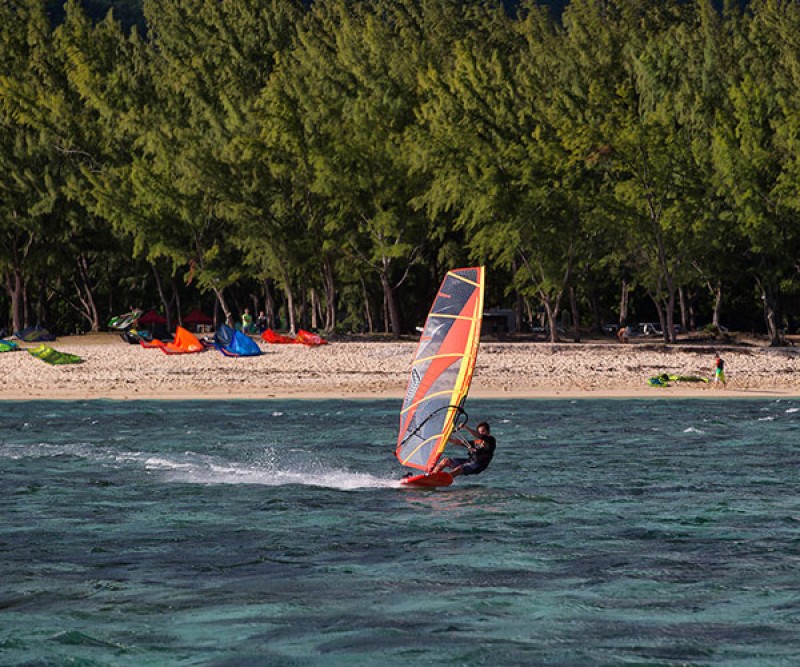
[(483, 428)]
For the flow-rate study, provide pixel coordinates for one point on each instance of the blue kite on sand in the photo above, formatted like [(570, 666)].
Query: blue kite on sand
[(234, 343), (34, 335)]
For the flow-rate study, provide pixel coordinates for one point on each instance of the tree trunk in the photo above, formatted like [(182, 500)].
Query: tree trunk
[(164, 302), (670, 317), (223, 303), (269, 304), (303, 314), (772, 323), (83, 287), (683, 303), (26, 306), (15, 286), (256, 307), (594, 307), (367, 310), (392, 308), (716, 319), (623, 303), (175, 300), (314, 309), (329, 282), (576, 321), (661, 314), (519, 312), (769, 301), (41, 304), (287, 292), (533, 319), (551, 320)]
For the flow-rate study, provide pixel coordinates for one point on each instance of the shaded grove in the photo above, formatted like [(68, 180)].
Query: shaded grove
[(328, 162)]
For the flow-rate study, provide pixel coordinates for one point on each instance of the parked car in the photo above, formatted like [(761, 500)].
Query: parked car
[(651, 329)]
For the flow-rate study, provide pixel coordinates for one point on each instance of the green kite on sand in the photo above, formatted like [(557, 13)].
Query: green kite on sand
[(664, 379), (51, 356), (8, 345)]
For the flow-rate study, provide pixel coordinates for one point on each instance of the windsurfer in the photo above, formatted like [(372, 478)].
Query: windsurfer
[(480, 450)]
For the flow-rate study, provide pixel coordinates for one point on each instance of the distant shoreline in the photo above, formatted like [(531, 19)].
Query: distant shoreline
[(357, 370)]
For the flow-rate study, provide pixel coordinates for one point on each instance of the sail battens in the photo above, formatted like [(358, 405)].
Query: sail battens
[(442, 368), (427, 397), (411, 454), (445, 316), (451, 355)]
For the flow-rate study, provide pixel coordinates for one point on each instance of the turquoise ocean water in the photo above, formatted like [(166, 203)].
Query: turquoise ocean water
[(606, 532)]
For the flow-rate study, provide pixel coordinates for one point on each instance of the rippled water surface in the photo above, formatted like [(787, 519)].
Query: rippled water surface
[(658, 532)]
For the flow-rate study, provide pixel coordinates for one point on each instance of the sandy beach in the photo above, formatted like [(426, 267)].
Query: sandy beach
[(113, 369)]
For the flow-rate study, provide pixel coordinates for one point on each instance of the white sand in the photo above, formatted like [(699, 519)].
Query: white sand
[(115, 370)]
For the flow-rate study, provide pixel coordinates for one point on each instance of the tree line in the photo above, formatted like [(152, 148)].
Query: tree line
[(327, 162)]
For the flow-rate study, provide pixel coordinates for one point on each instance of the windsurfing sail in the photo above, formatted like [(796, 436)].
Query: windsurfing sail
[(442, 368)]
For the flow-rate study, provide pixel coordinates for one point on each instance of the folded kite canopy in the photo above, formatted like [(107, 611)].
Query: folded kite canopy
[(54, 357), (185, 343), (34, 335), (269, 336), (310, 339), (304, 337), (233, 343), (152, 343)]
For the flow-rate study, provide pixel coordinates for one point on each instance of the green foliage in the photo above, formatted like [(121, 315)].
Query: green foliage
[(354, 151)]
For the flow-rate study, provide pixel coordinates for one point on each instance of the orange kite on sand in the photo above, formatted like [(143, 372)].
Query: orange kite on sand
[(310, 339), (303, 337), (185, 342), (151, 343), (269, 336)]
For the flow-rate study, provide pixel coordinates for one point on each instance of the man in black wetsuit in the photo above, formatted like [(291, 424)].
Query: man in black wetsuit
[(480, 450)]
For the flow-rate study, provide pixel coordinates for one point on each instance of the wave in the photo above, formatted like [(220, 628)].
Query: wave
[(207, 470), (300, 466)]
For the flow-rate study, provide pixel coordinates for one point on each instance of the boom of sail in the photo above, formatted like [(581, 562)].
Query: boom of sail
[(442, 368)]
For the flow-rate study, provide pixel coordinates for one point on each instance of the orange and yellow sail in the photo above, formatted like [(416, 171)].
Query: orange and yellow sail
[(442, 368)]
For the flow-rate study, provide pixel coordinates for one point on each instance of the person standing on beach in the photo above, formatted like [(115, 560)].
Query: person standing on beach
[(480, 450), (719, 371), (247, 321)]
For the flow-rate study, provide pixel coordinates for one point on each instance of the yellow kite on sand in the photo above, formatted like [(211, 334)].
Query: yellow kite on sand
[(54, 357)]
